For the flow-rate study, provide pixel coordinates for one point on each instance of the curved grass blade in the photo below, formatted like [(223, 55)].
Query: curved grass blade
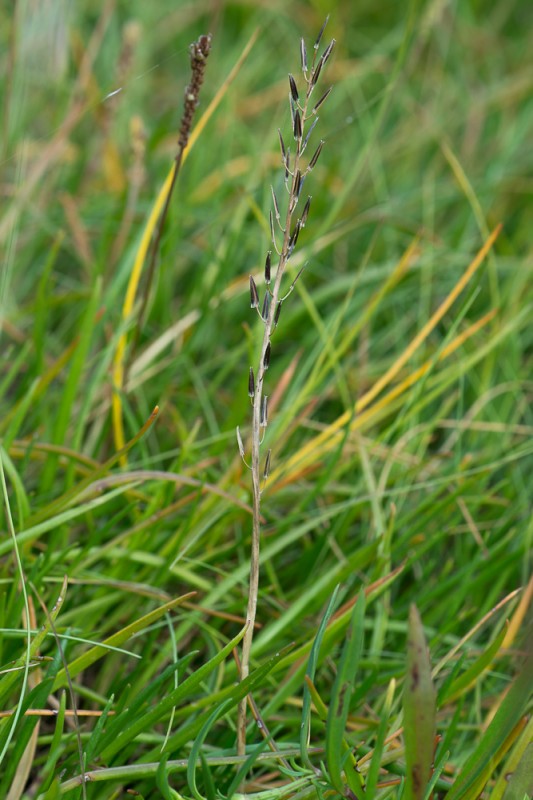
[(508, 716), (100, 650), (167, 704), (341, 693), (310, 675), (197, 746)]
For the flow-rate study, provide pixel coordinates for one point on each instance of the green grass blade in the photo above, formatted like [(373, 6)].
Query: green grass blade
[(511, 710), (310, 674), (165, 706), (95, 653), (341, 693)]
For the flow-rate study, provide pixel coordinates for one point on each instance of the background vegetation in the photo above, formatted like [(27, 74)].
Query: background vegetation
[(400, 433)]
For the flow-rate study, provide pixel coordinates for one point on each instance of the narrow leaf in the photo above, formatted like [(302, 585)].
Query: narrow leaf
[(341, 693)]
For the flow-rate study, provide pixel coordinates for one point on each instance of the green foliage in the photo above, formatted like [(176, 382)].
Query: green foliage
[(400, 427)]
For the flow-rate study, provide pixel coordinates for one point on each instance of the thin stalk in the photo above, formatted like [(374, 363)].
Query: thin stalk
[(290, 231)]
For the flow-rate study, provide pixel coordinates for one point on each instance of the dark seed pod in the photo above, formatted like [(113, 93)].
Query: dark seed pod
[(272, 231), (319, 37), (266, 471), (305, 212), (294, 88), (276, 204), (297, 126), (251, 383), (254, 296), (328, 51), (297, 184), (322, 99), (266, 306), (264, 411), (294, 236), (276, 315), (268, 264), (266, 359), (282, 145), (316, 72), (308, 135), (316, 155)]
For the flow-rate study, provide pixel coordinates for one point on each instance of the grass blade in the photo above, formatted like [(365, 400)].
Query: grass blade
[(341, 693)]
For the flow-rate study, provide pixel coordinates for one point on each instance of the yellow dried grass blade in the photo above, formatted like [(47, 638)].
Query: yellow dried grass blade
[(327, 436), (140, 257), (330, 437)]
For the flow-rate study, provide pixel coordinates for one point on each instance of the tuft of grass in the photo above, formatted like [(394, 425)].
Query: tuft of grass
[(400, 410)]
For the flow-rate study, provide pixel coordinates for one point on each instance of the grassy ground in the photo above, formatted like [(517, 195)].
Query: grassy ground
[(400, 405)]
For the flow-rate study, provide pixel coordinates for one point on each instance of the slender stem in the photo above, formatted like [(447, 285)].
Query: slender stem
[(253, 585)]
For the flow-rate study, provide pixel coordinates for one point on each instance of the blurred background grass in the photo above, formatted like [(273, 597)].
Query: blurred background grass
[(428, 135)]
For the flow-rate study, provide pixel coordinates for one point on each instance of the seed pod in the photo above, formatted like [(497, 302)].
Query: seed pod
[(308, 135), (305, 212), (276, 315), (294, 236), (254, 296), (322, 99), (294, 88), (264, 411), (266, 471), (319, 37), (297, 126), (316, 72), (316, 154), (328, 51), (272, 231), (282, 145), (268, 264), (266, 306), (276, 205), (266, 358), (297, 183), (251, 383)]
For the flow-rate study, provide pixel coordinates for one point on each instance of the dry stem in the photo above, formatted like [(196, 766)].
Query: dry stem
[(270, 314)]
